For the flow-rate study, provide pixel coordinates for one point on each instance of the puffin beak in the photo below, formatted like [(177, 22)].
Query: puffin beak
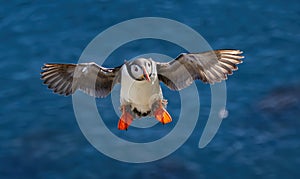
[(146, 75)]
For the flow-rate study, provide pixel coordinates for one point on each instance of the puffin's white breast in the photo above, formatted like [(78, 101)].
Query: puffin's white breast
[(139, 94)]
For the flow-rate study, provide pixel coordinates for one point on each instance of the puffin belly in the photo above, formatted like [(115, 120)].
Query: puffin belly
[(139, 94)]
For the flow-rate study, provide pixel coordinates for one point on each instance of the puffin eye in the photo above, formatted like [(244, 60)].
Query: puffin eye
[(148, 67), (136, 71)]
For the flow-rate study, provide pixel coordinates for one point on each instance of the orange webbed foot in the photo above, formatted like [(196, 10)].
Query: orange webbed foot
[(125, 120), (162, 115)]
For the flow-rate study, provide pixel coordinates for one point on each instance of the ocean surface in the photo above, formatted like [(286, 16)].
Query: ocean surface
[(39, 134)]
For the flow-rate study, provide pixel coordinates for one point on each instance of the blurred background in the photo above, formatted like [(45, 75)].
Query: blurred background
[(39, 135)]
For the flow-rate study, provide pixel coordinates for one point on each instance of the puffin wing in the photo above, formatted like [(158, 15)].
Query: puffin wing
[(210, 67), (90, 78)]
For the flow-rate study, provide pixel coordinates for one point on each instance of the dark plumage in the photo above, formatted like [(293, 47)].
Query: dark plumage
[(91, 78), (209, 67)]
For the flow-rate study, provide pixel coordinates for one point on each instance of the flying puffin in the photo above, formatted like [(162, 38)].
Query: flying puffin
[(141, 94)]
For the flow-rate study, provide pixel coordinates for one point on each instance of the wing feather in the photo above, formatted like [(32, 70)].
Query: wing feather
[(90, 78), (209, 67)]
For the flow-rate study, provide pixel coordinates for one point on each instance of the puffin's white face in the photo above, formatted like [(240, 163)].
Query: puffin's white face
[(140, 69), (136, 71)]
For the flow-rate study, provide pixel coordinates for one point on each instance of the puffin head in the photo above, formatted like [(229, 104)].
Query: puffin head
[(141, 69)]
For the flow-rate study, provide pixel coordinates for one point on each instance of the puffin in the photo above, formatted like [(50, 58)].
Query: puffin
[(141, 94)]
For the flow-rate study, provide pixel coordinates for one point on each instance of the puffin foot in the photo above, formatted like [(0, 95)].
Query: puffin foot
[(162, 115), (125, 119)]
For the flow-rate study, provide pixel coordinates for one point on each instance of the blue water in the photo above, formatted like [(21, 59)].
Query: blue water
[(40, 137)]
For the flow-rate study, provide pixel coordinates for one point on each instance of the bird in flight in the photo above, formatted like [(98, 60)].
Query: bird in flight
[(141, 94)]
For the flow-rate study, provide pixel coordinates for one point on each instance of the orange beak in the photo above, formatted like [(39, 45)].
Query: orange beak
[(146, 75)]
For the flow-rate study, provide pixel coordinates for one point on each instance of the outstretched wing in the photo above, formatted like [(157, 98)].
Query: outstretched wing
[(90, 78), (210, 67)]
